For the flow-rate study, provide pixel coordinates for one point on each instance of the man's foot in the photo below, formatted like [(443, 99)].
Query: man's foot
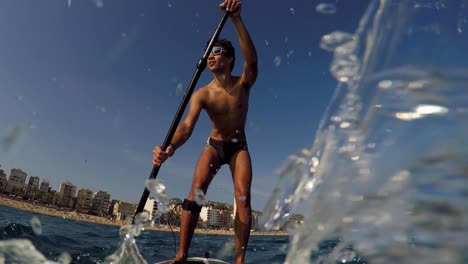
[(178, 261)]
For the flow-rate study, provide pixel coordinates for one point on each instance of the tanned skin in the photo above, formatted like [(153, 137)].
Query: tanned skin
[(226, 100)]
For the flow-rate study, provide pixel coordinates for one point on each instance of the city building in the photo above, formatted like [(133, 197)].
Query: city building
[(84, 200), (44, 190), (45, 186), (151, 207), (255, 219), (216, 218), (111, 207), (100, 204), (3, 181), (16, 182), (32, 189), (67, 191), (124, 211)]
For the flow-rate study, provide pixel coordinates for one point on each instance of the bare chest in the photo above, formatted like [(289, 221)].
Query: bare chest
[(221, 102)]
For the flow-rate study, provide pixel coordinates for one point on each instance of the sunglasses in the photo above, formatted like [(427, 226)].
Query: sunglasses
[(218, 50)]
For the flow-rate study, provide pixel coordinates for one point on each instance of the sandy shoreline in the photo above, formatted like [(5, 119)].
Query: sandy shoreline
[(72, 215)]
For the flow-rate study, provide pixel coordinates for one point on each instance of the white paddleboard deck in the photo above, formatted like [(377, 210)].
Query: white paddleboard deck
[(198, 260)]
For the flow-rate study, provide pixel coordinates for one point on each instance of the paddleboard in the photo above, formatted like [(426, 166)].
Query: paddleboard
[(197, 260)]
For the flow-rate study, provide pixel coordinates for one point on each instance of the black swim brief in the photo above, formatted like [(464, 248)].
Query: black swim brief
[(226, 149)]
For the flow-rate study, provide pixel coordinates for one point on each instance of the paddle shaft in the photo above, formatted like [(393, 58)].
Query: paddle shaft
[(201, 65)]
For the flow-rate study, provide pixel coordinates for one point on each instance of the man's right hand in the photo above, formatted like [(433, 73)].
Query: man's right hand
[(159, 155), (233, 6)]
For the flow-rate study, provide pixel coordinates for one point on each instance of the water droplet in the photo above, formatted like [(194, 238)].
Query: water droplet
[(169, 4), (141, 218), (344, 67), (123, 35), (199, 197), (315, 162), (234, 140), (211, 165), (437, 5), (69, 2), (36, 225), (345, 124), (431, 110), (266, 42), (242, 198), (155, 185), (335, 39), (179, 88), (346, 256), (101, 109), (277, 61), (64, 258), (291, 10), (326, 8), (13, 135), (385, 84), (19, 98), (99, 3)]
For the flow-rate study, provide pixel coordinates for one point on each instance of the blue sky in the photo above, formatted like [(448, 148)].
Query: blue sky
[(93, 89)]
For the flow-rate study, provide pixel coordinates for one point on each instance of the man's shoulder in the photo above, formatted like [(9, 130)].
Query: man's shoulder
[(203, 91), (201, 94)]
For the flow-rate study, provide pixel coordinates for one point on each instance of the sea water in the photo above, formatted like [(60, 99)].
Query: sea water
[(386, 177), (68, 241)]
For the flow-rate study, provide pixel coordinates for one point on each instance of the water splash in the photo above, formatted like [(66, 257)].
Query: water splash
[(127, 251), (157, 187), (21, 251), (199, 197), (377, 186)]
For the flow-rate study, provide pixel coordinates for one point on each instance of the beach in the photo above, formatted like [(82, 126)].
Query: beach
[(76, 216)]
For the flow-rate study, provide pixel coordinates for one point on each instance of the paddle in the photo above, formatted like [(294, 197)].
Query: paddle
[(201, 65)]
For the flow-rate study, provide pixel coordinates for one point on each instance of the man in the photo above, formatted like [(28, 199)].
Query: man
[(225, 99)]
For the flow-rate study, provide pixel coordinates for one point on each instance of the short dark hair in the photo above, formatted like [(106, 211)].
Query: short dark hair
[(230, 52)]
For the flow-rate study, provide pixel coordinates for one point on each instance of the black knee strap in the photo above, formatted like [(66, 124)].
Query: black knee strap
[(191, 206)]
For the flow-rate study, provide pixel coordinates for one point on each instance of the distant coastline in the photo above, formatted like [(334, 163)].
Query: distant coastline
[(73, 215)]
